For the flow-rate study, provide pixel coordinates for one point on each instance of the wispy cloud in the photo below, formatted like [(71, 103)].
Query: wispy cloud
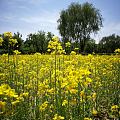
[(44, 17), (39, 1), (23, 7), (33, 2), (36, 20), (8, 17), (46, 21)]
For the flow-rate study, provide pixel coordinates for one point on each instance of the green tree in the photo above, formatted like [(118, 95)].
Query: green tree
[(37, 42), (90, 46), (19, 39), (77, 23), (109, 44), (11, 42)]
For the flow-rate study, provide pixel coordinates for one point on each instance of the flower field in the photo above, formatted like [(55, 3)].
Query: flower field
[(57, 87)]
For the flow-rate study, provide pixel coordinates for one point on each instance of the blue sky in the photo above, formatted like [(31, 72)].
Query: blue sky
[(29, 16)]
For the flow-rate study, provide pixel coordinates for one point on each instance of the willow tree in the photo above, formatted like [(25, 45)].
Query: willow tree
[(78, 22)]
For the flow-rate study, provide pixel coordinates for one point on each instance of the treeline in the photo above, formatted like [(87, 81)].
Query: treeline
[(107, 44), (35, 42), (38, 42)]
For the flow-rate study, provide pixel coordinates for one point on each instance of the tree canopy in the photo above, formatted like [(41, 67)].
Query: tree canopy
[(37, 42), (77, 23), (109, 44)]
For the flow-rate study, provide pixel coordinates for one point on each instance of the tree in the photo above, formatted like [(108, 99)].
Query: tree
[(109, 44), (90, 46), (37, 42), (10, 42), (19, 39), (77, 23)]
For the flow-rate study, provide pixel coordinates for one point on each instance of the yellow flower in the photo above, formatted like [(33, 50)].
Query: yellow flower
[(94, 112), (6, 90), (15, 102), (54, 46), (88, 80), (5, 98), (8, 34), (57, 117), (51, 91), (48, 50), (37, 53), (43, 106), (68, 44), (90, 56), (65, 102), (73, 53), (76, 49), (82, 93), (73, 91), (94, 96), (20, 98), (87, 119), (114, 108), (11, 93), (2, 104), (16, 52), (13, 41), (89, 97), (25, 94), (55, 38), (1, 40), (117, 50)]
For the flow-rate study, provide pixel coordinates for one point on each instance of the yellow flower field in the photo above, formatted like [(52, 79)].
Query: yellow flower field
[(57, 87)]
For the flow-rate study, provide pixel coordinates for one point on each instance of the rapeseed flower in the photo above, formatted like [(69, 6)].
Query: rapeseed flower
[(43, 106), (16, 52), (82, 93), (12, 41), (94, 112), (2, 104), (58, 117), (65, 102), (25, 94), (15, 102), (8, 34), (87, 118), (68, 44), (94, 96), (11, 93), (1, 40), (54, 46), (117, 50), (114, 108), (73, 53)]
